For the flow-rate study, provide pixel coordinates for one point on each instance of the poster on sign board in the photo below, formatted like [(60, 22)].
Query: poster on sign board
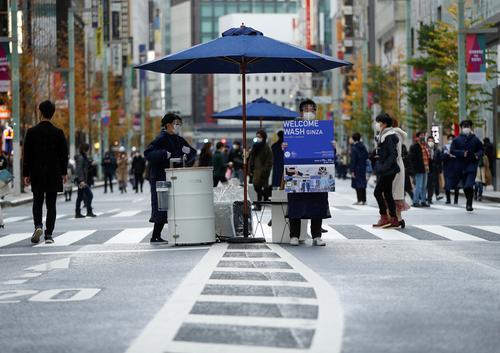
[(309, 156)]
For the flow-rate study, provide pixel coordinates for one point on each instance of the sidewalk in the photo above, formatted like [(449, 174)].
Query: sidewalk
[(491, 195), (12, 200)]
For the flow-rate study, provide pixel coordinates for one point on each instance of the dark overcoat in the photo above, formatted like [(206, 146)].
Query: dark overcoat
[(278, 163), (359, 156), (465, 164), (156, 155), (45, 157)]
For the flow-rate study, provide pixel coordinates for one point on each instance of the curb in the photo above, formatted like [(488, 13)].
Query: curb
[(28, 199)]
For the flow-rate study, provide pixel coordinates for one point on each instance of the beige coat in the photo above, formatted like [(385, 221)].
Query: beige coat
[(483, 174), (398, 185), (122, 169)]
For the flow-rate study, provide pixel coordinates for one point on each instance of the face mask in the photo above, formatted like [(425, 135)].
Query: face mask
[(467, 130), (177, 129), (378, 127), (309, 115), (449, 142), (431, 144), (236, 147), (259, 140)]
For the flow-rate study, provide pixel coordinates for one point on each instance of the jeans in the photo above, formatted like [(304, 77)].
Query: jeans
[(315, 228), (50, 202), (139, 181), (420, 194), (84, 194), (383, 195), (108, 177)]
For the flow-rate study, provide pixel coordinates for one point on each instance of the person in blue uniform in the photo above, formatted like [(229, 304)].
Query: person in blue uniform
[(313, 206), (168, 144), (468, 150), (359, 156)]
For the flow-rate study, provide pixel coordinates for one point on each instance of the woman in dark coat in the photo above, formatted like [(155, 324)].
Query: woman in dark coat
[(260, 163), (168, 144), (278, 161), (449, 171), (359, 156)]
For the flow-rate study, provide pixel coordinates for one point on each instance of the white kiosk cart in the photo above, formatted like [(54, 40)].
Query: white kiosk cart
[(191, 216)]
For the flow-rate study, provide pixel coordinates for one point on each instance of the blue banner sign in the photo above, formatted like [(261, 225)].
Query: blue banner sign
[(309, 156)]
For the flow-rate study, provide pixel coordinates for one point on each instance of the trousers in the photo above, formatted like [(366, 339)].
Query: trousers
[(50, 202)]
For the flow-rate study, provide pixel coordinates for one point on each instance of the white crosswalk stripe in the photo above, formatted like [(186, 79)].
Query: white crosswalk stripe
[(124, 214), (386, 234), (13, 238), (449, 233), (130, 236), (14, 219), (332, 233), (69, 238)]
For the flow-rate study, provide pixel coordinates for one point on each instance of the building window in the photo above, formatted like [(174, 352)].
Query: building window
[(282, 78), (282, 91), (274, 78), (219, 9), (245, 7), (239, 78), (257, 91), (283, 104), (248, 90), (266, 91), (258, 7), (231, 8), (269, 7), (440, 13), (256, 78), (206, 10), (206, 26), (265, 78), (275, 91), (239, 91)]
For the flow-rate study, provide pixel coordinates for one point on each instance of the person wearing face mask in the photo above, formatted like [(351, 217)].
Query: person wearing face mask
[(138, 168), (236, 158), (386, 169), (419, 156), (313, 206), (260, 163), (168, 144), (435, 169), (359, 156), (468, 150), (449, 171), (219, 164)]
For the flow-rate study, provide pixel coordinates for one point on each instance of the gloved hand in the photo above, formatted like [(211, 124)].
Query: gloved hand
[(186, 150)]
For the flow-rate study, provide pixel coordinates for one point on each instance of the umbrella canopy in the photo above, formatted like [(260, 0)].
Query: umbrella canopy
[(243, 50), (260, 110)]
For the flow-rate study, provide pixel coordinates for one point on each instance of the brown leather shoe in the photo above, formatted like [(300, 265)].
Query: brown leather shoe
[(383, 222)]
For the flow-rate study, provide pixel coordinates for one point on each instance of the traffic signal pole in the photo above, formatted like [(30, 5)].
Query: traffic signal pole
[(15, 101)]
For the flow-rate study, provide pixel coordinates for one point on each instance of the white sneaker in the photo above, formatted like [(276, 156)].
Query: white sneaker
[(318, 242), (294, 241)]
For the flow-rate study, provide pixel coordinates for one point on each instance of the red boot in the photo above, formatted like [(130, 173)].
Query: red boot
[(394, 223), (383, 222)]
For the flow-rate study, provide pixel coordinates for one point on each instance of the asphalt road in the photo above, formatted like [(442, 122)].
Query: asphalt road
[(432, 287)]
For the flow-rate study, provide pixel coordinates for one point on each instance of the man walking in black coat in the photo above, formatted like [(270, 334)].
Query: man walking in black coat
[(45, 164), (138, 168)]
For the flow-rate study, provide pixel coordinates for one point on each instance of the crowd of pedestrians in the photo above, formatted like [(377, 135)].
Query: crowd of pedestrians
[(462, 163)]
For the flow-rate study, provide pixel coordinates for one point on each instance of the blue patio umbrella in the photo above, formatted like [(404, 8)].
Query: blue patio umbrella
[(259, 110), (243, 51)]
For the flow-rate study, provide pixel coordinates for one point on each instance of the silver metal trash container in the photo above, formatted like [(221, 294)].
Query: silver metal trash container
[(162, 189)]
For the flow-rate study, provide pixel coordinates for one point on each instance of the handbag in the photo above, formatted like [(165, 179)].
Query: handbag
[(5, 176)]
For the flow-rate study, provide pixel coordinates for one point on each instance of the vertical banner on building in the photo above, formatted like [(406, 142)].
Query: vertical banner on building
[(308, 24), (476, 59), (4, 68), (99, 35), (95, 14), (61, 89), (116, 9), (116, 58), (309, 156)]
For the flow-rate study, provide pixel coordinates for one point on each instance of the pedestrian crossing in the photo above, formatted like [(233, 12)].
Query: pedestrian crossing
[(335, 232), (335, 209)]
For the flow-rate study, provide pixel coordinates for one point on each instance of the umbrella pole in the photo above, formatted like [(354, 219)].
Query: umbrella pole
[(245, 165), (260, 123)]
